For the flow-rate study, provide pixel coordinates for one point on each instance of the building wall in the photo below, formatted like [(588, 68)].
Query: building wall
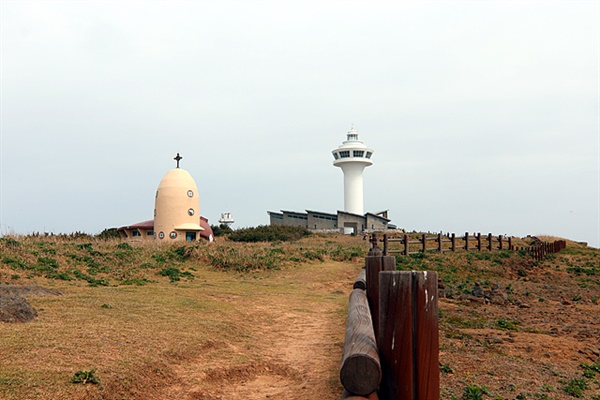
[(356, 222), (321, 221), (276, 218), (375, 223), (295, 219)]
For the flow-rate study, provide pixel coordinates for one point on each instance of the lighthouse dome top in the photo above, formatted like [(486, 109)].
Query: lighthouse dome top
[(352, 141), (352, 150)]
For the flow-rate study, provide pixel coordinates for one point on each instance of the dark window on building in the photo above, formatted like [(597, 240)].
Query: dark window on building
[(369, 154), (345, 153), (358, 153), (335, 155), (136, 233), (190, 236), (150, 233)]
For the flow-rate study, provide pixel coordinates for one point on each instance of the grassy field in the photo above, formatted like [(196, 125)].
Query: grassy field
[(251, 321)]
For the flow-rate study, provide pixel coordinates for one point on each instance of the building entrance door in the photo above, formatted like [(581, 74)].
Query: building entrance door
[(190, 236)]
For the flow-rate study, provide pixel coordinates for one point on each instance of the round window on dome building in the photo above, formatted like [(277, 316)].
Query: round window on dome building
[(191, 211), (173, 235), (161, 235), (190, 193)]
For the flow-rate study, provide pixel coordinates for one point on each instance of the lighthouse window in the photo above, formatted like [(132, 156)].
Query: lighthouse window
[(190, 193), (173, 235), (345, 154), (191, 211), (369, 154), (335, 155), (358, 153)]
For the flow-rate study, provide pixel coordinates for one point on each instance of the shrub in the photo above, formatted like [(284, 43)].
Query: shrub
[(108, 233), (507, 324), (575, 387), (473, 392), (221, 230), (269, 233), (84, 377), (174, 274)]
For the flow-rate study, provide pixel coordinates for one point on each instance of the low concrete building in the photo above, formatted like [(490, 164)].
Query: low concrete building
[(344, 222)]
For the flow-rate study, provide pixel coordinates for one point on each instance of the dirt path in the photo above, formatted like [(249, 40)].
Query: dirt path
[(292, 351)]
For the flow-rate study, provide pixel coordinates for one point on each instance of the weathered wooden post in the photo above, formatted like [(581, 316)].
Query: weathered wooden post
[(467, 241), (510, 245), (406, 250), (375, 263), (478, 241), (424, 242), (440, 242), (499, 242), (453, 242), (490, 240), (372, 269), (360, 372), (408, 335), (385, 244)]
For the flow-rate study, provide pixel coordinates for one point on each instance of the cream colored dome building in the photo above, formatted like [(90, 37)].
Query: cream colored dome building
[(176, 211)]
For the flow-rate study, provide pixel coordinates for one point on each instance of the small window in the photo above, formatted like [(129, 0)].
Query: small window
[(190, 193), (345, 154), (191, 212), (173, 235), (136, 233), (161, 235), (150, 233), (369, 154), (335, 155), (358, 153)]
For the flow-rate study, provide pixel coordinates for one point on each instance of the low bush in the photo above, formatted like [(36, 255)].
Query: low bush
[(269, 233)]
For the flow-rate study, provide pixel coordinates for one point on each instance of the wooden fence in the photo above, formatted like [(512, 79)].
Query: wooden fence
[(444, 243), (539, 250), (391, 348), (475, 242)]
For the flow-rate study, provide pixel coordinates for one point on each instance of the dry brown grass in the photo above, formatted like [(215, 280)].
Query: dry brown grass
[(278, 332)]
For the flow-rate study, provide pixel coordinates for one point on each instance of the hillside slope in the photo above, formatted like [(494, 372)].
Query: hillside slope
[(250, 321)]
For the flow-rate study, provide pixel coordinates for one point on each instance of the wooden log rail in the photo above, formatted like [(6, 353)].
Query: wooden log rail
[(360, 372), (391, 348), (445, 243)]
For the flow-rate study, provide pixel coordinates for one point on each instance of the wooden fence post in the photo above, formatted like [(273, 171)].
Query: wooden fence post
[(490, 239), (385, 244), (424, 242), (408, 335), (360, 372), (440, 242), (479, 241), (372, 269), (499, 242), (406, 244), (453, 242), (467, 241)]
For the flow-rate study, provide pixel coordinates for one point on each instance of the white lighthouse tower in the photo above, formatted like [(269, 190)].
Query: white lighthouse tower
[(352, 156)]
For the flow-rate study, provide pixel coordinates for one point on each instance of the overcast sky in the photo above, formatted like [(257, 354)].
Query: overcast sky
[(484, 115)]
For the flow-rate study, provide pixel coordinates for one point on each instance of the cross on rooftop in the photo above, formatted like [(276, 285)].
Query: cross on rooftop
[(177, 158)]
